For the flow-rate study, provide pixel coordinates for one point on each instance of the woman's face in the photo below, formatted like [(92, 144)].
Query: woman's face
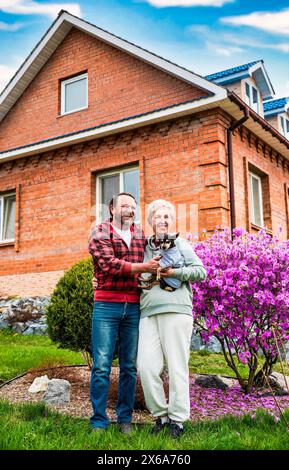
[(162, 222)]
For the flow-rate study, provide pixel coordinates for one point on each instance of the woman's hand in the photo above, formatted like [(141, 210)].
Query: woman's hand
[(94, 283), (168, 272)]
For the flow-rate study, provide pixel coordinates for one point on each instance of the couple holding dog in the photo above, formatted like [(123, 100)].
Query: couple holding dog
[(153, 325)]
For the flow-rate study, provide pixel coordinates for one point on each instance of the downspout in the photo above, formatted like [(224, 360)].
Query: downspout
[(230, 131)]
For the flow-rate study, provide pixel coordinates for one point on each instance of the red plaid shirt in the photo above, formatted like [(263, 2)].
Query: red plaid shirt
[(112, 262)]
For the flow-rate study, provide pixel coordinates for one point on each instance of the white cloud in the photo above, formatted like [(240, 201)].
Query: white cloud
[(6, 73), (273, 22), (223, 50), (227, 44), (10, 26), (29, 7), (188, 3)]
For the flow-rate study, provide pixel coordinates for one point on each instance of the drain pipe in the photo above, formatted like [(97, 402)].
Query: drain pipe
[(230, 131)]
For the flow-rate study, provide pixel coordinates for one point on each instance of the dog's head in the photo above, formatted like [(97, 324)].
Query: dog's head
[(168, 241)]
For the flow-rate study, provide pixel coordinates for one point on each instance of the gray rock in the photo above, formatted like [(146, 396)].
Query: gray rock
[(58, 392), (212, 381), (19, 327), (281, 383), (196, 342)]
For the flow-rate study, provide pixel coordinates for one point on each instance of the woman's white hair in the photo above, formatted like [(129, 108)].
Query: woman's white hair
[(160, 204)]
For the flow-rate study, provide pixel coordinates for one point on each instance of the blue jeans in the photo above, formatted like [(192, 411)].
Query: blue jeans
[(111, 320)]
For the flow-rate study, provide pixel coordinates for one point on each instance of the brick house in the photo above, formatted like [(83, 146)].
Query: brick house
[(88, 114)]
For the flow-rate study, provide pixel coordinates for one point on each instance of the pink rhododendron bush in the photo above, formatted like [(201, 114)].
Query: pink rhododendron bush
[(244, 302)]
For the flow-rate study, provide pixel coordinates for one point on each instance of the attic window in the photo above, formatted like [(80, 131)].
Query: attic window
[(252, 96), (74, 94)]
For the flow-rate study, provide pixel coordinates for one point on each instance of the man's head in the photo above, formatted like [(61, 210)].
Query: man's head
[(122, 209)]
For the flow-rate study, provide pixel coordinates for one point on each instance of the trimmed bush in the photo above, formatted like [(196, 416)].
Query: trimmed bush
[(70, 310)]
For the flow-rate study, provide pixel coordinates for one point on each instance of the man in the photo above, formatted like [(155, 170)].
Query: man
[(117, 248)]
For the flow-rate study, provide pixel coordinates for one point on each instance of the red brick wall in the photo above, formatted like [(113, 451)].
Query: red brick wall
[(249, 153), (119, 86), (181, 160), (56, 190)]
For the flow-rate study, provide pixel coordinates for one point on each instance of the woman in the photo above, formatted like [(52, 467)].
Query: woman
[(166, 328)]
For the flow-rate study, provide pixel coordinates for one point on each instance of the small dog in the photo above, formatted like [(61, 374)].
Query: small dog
[(170, 258)]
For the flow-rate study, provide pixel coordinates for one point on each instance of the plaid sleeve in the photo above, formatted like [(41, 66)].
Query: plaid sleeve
[(100, 247)]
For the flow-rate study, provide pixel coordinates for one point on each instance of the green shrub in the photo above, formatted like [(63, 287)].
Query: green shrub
[(70, 310)]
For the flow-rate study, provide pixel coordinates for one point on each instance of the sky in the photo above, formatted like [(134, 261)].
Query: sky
[(205, 36)]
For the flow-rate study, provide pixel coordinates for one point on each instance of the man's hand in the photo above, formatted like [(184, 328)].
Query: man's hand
[(153, 265), (168, 272), (94, 283)]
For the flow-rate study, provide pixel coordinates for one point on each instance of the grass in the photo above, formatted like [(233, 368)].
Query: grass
[(35, 427), (20, 353)]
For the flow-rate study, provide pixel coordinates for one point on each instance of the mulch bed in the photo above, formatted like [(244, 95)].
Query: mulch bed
[(206, 403)]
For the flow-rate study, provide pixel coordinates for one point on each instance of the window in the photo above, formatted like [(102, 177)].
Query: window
[(115, 182), (7, 217), (256, 200), (74, 94), (252, 96), (284, 126)]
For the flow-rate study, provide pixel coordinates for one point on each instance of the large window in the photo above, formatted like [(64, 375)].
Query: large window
[(252, 96), (284, 122), (7, 216), (114, 182), (74, 94), (256, 200)]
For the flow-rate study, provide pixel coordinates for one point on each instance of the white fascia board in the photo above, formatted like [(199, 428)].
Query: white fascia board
[(260, 65), (274, 112), (235, 76), (146, 56), (151, 118)]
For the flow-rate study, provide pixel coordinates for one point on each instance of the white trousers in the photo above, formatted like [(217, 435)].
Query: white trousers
[(165, 337)]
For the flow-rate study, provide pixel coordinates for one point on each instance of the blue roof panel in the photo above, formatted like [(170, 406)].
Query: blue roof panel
[(226, 73), (275, 104)]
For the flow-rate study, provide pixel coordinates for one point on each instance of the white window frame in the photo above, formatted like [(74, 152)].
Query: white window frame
[(253, 215), (63, 91), (250, 98), (2, 197), (284, 131), (98, 186)]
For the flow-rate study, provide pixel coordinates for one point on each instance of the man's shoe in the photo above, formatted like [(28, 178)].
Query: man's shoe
[(125, 428), (159, 426), (175, 430)]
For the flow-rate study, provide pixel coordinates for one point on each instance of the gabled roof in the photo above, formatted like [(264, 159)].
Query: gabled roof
[(274, 107), (254, 69), (55, 35)]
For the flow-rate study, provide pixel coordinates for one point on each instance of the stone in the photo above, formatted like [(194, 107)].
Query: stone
[(39, 384), (278, 378), (212, 381), (57, 392)]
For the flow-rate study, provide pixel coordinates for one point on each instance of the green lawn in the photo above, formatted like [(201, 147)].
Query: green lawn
[(34, 427), (20, 353)]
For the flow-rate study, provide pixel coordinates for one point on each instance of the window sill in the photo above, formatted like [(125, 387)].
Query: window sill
[(71, 112), (257, 227), (7, 243)]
